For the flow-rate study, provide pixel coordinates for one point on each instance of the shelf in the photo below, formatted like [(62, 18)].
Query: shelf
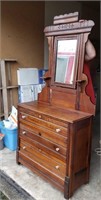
[(8, 85), (8, 60), (12, 87)]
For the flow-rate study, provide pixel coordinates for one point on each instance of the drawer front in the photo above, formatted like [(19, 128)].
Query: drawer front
[(43, 122), (44, 160), (52, 148), (46, 134), (40, 170), (44, 116)]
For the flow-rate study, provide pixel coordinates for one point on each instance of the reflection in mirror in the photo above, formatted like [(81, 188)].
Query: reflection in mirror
[(65, 61)]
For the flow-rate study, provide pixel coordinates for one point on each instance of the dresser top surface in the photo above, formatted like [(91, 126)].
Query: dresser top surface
[(69, 115)]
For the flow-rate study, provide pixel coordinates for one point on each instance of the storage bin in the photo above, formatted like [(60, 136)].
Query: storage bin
[(1, 140), (10, 138), (1, 124)]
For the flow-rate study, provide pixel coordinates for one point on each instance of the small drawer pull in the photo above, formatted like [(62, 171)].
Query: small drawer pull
[(57, 149), (58, 130), (40, 150), (57, 166), (24, 147), (23, 132), (23, 116), (40, 116), (39, 134)]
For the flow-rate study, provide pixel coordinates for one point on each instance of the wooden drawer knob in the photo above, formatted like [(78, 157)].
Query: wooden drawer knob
[(40, 150), (58, 130), (23, 132), (24, 147), (57, 166), (23, 116), (57, 149), (40, 116)]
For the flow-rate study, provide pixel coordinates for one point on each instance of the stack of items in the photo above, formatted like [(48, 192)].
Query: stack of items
[(30, 83)]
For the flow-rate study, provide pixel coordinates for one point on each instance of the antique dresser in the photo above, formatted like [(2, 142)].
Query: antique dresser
[(54, 133)]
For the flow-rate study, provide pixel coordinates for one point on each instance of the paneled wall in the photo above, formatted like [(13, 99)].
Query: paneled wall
[(22, 37)]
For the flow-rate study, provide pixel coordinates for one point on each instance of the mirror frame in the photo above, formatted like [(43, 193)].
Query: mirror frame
[(69, 37), (74, 96)]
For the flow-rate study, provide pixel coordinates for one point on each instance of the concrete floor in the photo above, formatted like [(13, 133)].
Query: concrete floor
[(40, 189), (11, 190)]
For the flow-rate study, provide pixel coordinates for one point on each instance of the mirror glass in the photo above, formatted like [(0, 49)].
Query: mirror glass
[(65, 61)]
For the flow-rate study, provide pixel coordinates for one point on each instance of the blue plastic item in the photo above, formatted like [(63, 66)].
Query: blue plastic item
[(10, 138), (41, 74), (1, 140), (1, 124)]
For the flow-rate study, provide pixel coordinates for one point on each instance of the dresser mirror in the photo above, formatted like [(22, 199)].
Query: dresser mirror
[(65, 66), (67, 39)]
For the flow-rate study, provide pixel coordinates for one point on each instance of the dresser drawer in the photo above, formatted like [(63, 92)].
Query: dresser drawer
[(41, 171), (40, 121), (40, 157), (45, 116), (45, 133), (54, 149)]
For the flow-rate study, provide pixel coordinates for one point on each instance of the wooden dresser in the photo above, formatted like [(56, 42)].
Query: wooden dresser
[(55, 144), (54, 139)]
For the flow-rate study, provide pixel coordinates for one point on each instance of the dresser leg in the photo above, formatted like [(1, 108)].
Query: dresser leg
[(18, 163), (66, 187), (17, 158)]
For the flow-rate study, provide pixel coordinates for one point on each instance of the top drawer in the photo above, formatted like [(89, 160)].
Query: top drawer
[(42, 120), (45, 117)]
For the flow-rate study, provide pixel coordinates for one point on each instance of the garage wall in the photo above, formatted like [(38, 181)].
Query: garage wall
[(91, 10), (22, 37)]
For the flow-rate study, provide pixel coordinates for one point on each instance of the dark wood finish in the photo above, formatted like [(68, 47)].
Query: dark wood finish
[(67, 18), (77, 98), (61, 137), (54, 133)]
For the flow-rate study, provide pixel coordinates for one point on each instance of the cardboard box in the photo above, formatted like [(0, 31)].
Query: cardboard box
[(25, 93), (27, 76), (37, 89)]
